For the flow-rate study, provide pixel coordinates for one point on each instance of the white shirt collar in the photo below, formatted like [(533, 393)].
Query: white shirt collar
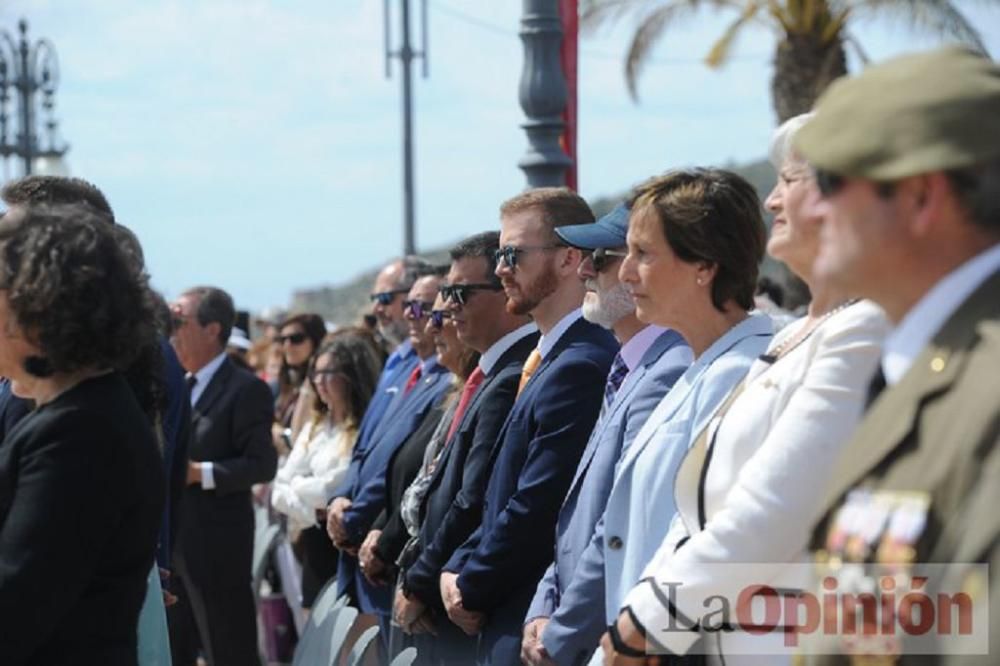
[(637, 346), (926, 318), (204, 375), (491, 356), (549, 340)]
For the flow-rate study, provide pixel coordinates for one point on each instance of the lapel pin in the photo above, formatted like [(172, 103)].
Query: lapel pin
[(937, 364)]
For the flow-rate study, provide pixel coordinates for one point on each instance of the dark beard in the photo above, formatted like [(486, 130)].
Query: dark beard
[(530, 297)]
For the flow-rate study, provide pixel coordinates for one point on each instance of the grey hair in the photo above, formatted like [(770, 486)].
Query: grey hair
[(781, 141)]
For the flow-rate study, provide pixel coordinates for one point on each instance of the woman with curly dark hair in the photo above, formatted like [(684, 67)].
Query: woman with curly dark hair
[(299, 337), (81, 481)]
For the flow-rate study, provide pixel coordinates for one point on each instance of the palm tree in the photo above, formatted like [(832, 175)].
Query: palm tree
[(812, 35)]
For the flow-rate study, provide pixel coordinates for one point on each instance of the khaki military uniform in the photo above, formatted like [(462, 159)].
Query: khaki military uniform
[(920, 481)]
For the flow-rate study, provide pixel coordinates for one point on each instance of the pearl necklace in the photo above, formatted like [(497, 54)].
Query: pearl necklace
[(793, 341)]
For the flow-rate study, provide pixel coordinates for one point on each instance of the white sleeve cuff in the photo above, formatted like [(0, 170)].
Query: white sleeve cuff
[(207, 476), (663, 624)]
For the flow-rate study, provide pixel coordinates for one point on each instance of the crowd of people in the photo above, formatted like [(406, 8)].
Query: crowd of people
[(556, 449)]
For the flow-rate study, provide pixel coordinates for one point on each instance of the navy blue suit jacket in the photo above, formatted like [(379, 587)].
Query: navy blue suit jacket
[(390, 383), (453, 505), (369, 492), (539, 447)]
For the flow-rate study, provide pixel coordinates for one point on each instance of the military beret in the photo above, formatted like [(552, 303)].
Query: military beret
[(913, 114)]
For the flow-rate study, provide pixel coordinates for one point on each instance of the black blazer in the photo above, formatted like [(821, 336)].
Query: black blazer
[(453, 505), (231, 428), (81, 495)]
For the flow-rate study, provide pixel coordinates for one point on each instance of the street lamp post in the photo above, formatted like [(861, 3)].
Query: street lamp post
[(27, 69)]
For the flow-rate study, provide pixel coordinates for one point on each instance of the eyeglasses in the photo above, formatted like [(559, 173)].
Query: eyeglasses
[(460, 292), (419, 309), (294, 338), (438, 317), (508, 253), (828, 182), (603, 257), (386, 297)]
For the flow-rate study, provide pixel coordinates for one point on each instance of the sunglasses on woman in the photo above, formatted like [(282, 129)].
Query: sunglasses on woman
[(386, 297), (419, 309), (318, 375), (438, 317), (293, 338), (603, 257), (460, 292)]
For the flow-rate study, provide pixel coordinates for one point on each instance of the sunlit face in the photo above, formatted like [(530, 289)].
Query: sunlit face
[(424, 290), (331, 386), (195, 344), (14, 349), (447, 344), (795, 231), (859, 239), (607, 299), (391, 322), (535, 278), (662, 286), (295, 344), (475, 321)]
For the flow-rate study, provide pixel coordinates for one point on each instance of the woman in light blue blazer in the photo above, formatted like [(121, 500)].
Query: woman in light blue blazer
[(695, 240), (749, 487)]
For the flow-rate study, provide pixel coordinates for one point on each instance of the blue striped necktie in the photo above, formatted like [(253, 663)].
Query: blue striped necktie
[(615, 378)]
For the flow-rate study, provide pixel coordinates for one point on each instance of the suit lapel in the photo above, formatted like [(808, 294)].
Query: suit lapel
[(216, 387), (894, 413)]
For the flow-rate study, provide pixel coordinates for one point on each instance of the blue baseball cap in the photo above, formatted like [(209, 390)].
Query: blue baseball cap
[(608, 232)]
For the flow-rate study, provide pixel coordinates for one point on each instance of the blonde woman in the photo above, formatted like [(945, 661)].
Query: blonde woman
[(343, 375)]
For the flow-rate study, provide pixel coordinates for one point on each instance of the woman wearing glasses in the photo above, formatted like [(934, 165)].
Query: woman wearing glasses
[(751, 483), (343, 375), (299, 337)]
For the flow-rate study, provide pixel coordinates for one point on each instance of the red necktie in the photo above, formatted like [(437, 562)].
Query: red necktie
[(412, 381), (471, 384)]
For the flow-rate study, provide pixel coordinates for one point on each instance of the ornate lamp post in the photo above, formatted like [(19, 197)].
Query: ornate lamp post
[(27, 69)]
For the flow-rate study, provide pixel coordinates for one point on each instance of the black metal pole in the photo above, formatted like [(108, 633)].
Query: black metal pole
[(406, 57)]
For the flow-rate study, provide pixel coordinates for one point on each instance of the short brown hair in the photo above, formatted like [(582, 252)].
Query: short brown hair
[(560, 206), (713, 216), (56, 190)]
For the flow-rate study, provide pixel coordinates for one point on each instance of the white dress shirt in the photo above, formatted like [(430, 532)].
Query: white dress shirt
[(931, 312), (202, 378)]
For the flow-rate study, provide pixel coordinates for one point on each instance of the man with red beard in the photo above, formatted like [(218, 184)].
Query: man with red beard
[(489, 582)]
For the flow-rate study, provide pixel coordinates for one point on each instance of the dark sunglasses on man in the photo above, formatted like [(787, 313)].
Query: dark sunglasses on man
[(438, 317), (386, 297), (603, 257), (460, 292), (292, 338), (509, 254), (419, 309)]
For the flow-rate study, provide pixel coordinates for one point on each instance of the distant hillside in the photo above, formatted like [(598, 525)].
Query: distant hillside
[(346, 303)]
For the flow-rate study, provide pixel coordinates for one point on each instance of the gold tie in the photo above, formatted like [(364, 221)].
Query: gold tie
[(530, 365)]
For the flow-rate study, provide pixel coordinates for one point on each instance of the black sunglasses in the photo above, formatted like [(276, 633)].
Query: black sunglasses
[(828, 182), (386, 297), (315, 375), (418, 309), (294, 338), (438, 317), (460, 292), (508, 253), (603, 257)]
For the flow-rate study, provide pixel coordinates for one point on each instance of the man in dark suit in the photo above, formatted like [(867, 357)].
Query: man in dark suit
[(356, 512), (489, 581), (561, 626), (453, 503), (230, 450)]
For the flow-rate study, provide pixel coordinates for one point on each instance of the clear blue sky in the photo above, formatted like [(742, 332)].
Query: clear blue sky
[(256, 145)]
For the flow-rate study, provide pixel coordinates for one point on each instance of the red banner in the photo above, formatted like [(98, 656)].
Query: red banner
[(569, 13)]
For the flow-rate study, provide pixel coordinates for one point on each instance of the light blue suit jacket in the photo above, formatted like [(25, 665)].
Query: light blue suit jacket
[(572, 638), (641, 504)]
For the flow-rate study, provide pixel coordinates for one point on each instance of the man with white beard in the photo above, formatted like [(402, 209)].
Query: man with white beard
[(561, 626)]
